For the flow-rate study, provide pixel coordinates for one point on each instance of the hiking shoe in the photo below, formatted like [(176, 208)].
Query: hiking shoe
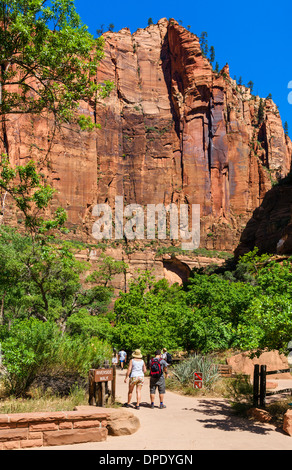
[(137, 407), (152, 405), (162, 406)]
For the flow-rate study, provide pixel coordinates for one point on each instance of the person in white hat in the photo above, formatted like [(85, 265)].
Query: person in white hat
[(136, 371)]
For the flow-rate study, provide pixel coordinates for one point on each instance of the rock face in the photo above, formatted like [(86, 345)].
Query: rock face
[(287, 424), (270, 227), (242, 363), (173, 131)]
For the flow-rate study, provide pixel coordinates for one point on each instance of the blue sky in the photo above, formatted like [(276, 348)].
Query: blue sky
[(254, 38)]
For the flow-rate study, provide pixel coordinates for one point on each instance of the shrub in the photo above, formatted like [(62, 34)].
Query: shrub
[(33, 347), (29, 346), (184, 371)]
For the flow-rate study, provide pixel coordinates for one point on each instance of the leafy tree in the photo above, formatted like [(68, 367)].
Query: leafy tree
[(32, 347), (48, 59), (149, 315), (111, 27), (42, 280), (32, 196), (48, 63), (108, 268)]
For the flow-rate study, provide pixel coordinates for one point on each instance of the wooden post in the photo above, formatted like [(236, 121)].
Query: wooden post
[(98, 380), (263, 386), (114, 383), (91, 388), (256, 374)]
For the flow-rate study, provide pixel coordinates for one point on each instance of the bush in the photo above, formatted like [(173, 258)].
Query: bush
[(240, 393), (32, 348), (184, 371), (29, 346)]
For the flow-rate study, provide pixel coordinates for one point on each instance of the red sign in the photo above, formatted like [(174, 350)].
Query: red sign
[(198, 380)]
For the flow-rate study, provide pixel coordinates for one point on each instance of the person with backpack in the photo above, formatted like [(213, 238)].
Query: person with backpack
[(166, 356), (158, 366)]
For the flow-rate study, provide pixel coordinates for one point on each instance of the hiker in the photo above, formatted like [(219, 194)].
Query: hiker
[(166, 356), (122, 358), (136, 371), (114, 357), (157, 366)]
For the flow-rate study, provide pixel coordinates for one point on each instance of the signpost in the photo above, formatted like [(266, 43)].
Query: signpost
[(198, 380), (103, 375), (98, 385)]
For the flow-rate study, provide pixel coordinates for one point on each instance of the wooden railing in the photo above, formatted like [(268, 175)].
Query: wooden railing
[(260, 384)]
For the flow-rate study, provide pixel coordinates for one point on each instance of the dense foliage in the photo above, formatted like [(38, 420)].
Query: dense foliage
[(246, 308)]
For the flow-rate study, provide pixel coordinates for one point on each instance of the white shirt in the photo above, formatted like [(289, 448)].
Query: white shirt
[(137, 368), (122, 355)]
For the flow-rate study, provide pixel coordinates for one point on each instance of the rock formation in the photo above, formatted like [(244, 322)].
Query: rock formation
[(172, 130)]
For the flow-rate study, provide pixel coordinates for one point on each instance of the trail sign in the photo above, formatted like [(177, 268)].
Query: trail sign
[(103, 375), (198, 380)]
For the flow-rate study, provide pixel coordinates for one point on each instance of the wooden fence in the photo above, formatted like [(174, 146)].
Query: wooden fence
[(260, 384)]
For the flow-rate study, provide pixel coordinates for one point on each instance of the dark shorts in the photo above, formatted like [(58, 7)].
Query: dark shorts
[(157, 383)]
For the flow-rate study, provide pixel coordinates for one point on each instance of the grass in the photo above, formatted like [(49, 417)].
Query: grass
[(44, 402)]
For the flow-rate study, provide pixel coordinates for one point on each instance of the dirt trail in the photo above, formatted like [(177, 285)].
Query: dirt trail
[(188, 423)]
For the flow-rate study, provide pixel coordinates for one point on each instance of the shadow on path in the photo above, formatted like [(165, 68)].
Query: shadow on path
[(220, 416)]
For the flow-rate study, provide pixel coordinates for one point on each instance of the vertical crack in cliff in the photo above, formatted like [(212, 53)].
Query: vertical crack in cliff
[(210, 133)]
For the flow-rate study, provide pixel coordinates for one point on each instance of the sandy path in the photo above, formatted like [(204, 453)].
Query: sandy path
[(188, 424)]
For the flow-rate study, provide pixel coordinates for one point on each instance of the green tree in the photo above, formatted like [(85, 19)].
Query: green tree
[(250, 86), (149, 315), (150, 21), (42, 280), (204, 43), (48, 63), (48, 59), (286, 129), (100, 30), (108, 268), (212, 54), (32, 196), (32, 347)]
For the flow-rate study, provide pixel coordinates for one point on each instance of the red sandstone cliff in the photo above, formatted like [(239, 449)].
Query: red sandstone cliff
[(173, 130)]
